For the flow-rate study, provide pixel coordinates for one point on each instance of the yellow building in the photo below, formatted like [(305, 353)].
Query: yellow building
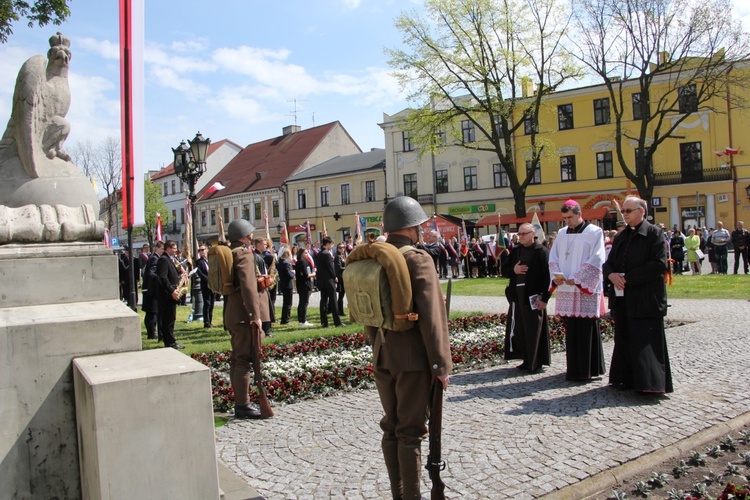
[(580, 162)]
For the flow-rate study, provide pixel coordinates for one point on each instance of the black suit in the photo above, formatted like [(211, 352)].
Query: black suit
[(286, 288), (150, 303), (201, 266), (326, 275), (640, 359), (168, 278)]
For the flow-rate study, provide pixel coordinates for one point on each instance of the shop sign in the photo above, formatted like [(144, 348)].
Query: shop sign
[(472, 209)]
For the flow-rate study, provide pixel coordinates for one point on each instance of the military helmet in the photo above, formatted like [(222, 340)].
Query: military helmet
[(239, 228), (402, 212)]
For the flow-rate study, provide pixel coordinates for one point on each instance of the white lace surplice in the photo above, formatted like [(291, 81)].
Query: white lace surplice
[(579, 256)]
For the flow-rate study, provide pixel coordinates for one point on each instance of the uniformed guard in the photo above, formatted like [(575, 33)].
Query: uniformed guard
[(406, 362)]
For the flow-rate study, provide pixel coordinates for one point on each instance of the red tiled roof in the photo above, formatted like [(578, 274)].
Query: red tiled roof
[(169, 169), (267, 164)]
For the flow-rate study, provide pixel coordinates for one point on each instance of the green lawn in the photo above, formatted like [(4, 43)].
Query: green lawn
[(197, 339)]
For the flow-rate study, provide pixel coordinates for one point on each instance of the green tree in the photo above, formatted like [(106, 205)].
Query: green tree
[(42, 12), (154, 205), (490, 62), (678, 58)]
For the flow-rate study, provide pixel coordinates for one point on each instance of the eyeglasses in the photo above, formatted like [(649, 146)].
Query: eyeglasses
[(629, 210), (525, 233), (201, 249)]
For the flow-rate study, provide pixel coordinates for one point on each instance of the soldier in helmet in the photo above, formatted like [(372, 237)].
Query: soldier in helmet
[(406, 363), (244, 307)]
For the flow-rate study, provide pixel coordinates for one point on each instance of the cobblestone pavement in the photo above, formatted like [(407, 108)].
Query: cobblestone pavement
[(506, 434)]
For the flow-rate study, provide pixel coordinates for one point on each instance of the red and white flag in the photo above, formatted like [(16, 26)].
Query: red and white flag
[(159, 228), (325, 230), (268, 233), (463, 226), (719, 153), (357, 225), (731, 151), (216, 186), (284, 238), (107, 243), (308, 235)]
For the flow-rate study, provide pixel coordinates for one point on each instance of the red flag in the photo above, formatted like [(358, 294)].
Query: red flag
[(284, 238), (731, 151), (159, 228)]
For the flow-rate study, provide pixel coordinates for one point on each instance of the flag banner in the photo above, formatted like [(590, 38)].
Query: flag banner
[(132, 111), (463, 228), (731, 151), (268, 233), (284, 238), (216, 186), (537, 228), (719, 153), (188, 231), (435, 225), (357, 226), (308, 235), (451, 249), (222, 236), (159, 228), (500, 235), (325, 231), (107, 243)]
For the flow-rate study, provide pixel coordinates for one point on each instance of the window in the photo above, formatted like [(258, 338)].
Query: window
[(410, 185), (173, 183), (275, 208), (691, 161), (213, 217), (182, 187), (640, 106), (470, 178), (406, 141), (246, 212), (604, 166), (346, 196), (467, 131), (301, 199), (567, 168), (499, 126), (369, 190), (537, 177), (257, 212), (638, 162), (182, 216), (226, 215), (441, 181), (688, 99), (203, 218), (440, 137), (500, 175), (236, 213), (166, 189), (565, 116), (324, 196), (601, 111), (174, 218), (529, 125)]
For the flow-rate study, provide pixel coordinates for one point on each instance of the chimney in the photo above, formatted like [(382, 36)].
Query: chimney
[(290, 129), (257, 176), (527, 86)]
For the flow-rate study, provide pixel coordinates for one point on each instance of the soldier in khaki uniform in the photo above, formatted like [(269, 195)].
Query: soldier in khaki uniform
[(405, 363), (244, 307)]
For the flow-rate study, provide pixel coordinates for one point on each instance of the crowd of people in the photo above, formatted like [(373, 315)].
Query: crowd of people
[(689, 248)]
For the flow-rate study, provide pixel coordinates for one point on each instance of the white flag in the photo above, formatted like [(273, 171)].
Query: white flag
[(538, 228)]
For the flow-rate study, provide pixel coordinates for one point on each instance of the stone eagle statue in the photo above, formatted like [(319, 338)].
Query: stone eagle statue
[(43, 195)]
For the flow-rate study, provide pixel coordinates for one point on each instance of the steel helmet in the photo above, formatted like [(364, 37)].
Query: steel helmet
[(239, 228), (402, 212)]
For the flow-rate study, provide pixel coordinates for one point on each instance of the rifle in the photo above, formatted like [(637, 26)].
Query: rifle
[(435, 463), (265, 407)]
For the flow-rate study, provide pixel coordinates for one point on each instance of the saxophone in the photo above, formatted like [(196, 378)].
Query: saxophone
[(272, 272), (184, 285)]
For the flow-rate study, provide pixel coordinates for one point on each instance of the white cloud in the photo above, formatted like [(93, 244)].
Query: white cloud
[(168, 78), (105, 48), (197, 45), (352, 4), (92, 116), (267, 67), (240, 102)]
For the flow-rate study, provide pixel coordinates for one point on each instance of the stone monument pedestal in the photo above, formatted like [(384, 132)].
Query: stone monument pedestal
[(57, 302)]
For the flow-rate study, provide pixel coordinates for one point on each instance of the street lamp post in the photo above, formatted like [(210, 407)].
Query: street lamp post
[(189, 165)]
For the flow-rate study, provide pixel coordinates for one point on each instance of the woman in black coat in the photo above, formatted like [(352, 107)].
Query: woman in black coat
[(677, 249), (339, 263), (286, 283), (305, 277)]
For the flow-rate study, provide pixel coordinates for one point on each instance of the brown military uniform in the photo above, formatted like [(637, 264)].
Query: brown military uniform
[(243, 305), (404, 366)]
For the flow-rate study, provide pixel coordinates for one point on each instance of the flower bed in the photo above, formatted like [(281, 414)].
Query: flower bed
[(322, 366)]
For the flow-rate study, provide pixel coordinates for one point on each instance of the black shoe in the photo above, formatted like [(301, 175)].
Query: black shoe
[(152, 337), (246, 412), (208, 325), (523, 366), (176, 346)]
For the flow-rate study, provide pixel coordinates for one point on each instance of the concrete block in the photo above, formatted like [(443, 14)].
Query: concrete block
[(145, 426), (57, 274), (38, 444)]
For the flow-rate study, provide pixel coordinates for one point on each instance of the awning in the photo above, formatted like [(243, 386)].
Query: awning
[(556, 216)]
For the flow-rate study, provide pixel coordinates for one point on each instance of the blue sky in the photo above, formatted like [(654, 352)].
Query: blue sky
[(230, 68)]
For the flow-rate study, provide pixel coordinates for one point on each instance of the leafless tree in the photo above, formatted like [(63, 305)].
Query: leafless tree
[(103, 162)]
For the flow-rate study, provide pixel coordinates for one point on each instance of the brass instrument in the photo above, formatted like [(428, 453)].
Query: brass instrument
[(184, 285), (272, 272)]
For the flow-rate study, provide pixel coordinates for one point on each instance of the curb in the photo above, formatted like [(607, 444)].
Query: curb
[(605, 480)]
